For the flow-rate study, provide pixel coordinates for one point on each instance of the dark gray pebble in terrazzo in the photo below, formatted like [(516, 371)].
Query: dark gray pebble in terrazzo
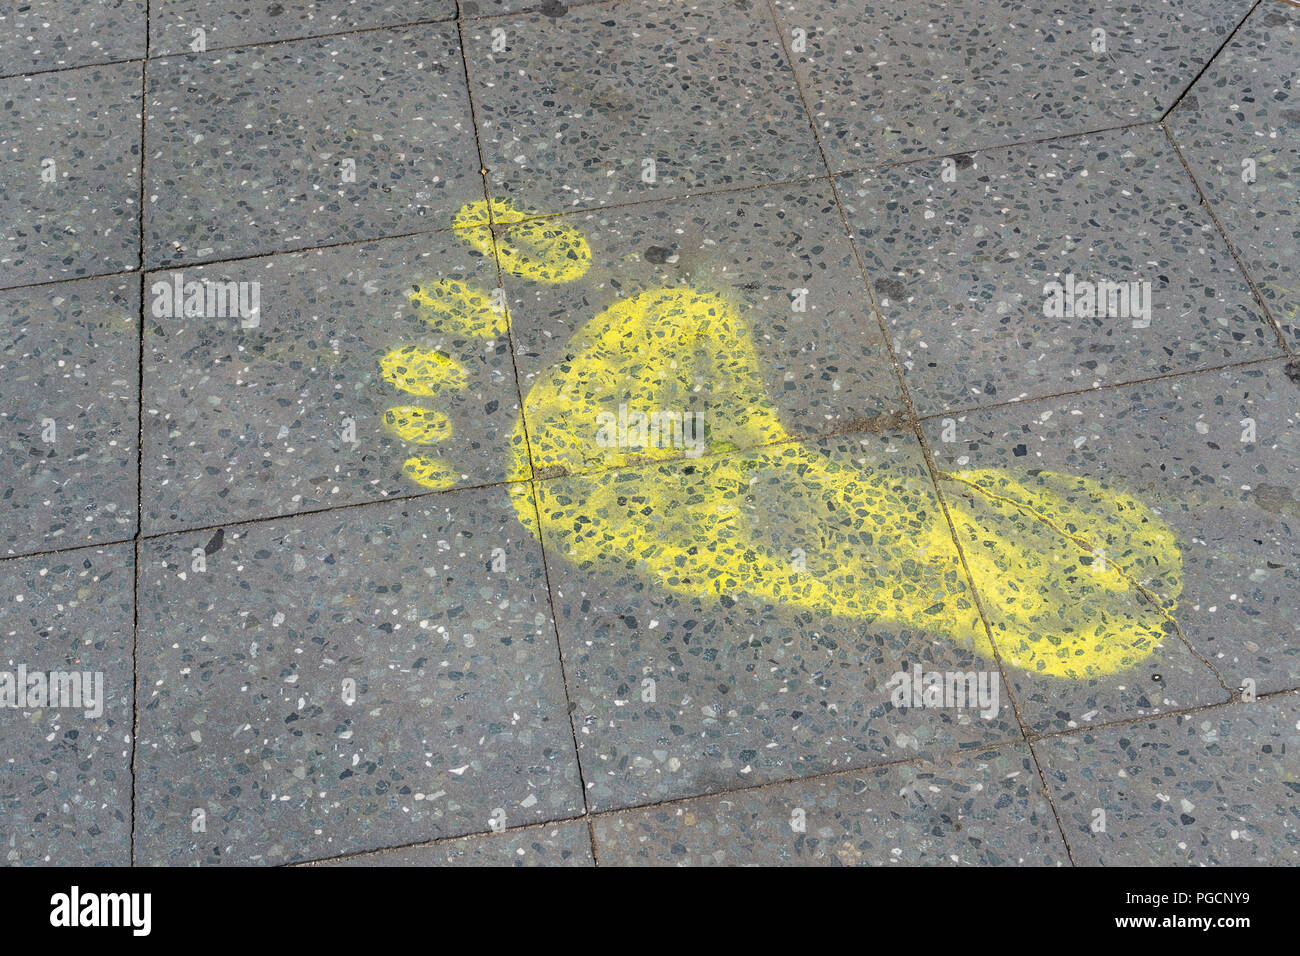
[(886, 81), (745, 692), (458, 718), (1176, 445), (80, 129), (68, 372), (66, 795), (960, 268), (567, 844), (1216, 788), (573, 107), (55, 34), (247, 148), (225, 23), (250, 422), (1246, 107), (987, 809)]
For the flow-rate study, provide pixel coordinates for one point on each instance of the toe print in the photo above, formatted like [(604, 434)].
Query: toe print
[(1077, 580), (446, 304)]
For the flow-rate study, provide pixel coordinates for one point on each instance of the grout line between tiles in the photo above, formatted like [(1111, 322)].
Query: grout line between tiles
[(1232, 248), (139, 453), (1210, 62), (569, 706)]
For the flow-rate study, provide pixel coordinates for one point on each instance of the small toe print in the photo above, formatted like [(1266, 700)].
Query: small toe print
[(417, 426), (421, 371)]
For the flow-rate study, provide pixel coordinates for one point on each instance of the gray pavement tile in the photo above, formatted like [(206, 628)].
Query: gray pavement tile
[(1216, 788), (1186, 485), (66, 795), (55, 34), (740, 619), (574, 109), (1239, 130), (250, 151), (790, 333), (962, 254), (887, 81), (69, 202), (69, 394), (296, 412), (985, 809), (567, 844), (178, 26), (457, 717)]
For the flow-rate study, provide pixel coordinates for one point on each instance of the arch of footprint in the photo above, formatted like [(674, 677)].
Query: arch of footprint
[(1077, 580)]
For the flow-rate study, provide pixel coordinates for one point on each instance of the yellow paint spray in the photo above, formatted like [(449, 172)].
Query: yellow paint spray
[(1076, 580)]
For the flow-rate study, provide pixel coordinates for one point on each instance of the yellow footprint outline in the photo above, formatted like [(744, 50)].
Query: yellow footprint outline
[(1066, 567)]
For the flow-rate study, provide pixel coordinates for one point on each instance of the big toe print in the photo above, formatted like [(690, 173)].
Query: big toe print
[(1077, 580)]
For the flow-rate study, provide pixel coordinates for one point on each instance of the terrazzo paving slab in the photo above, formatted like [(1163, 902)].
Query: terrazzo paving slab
[(1205, 471), (759, 255), (250, 150), (888, 81), (637, 100), (296, 412), (568, 844), (1216, 788), (65, 798), (1239, 130), (69, 201), (56, 34), (986, 809), (345, 682), (689, 678), (69, 393), (225, 23), (983, 267)]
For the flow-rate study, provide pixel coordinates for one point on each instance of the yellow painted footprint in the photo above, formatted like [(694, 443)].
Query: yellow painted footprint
[(1065, 566)]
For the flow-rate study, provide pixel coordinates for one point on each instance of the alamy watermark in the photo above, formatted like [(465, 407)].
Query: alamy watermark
[(1102, 299), (653, 429), (956, 690), (207, 299), (63, 690)]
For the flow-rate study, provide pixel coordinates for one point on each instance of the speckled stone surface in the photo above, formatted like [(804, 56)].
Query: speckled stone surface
[(960, 269), (458, 716), (827, 368), (228, 23), (254, 422), (1177, 446), (927, 77), (573, 107), (66, 796), (1215, 788), (54, 34), (248, 148), (567, 844), (746, 692), (1246, 107), (986, 809), (70, 196), (401, 599), (69, 393)]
